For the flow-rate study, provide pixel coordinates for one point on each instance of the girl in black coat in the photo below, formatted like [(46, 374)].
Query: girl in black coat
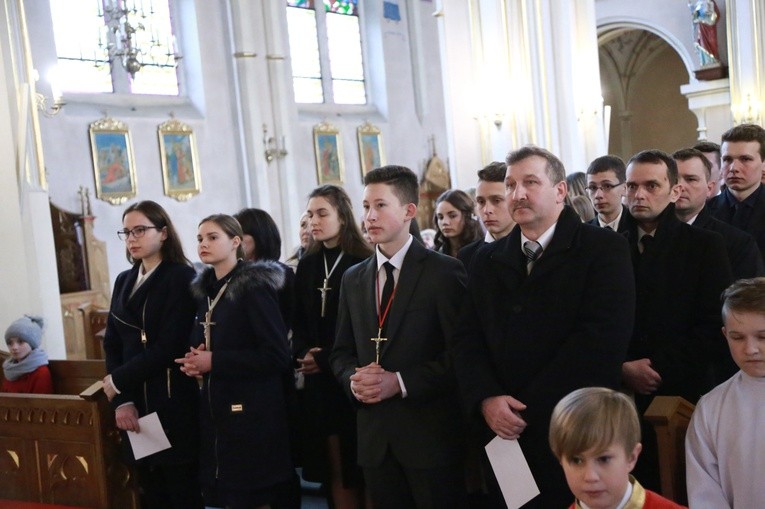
[(149, 323), (329, 448), (242, 357)]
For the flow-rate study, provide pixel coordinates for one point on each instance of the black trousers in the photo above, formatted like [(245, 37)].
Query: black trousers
[(394, 486), (170, 486)]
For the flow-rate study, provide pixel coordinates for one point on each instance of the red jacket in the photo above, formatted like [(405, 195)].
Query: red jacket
[(38, 382)]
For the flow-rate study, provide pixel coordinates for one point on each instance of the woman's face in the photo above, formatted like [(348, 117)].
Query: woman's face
[(214, 246), (18, 349), (305, 231), (450, 220), (144, 242), (323, 221)]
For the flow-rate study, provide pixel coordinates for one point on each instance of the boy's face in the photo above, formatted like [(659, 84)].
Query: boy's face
[(385, 217), (745, 332), (599, 478)]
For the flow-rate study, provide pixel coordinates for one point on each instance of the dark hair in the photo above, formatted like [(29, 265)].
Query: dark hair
[(230, 227), (709, 147), (555, 170), (351, 240), (686, 154), (745, 296), (655, 156), (402, 180), (171, 250), (471, 231), (493, 172), (606, 163), (747, 132), (261, 227)]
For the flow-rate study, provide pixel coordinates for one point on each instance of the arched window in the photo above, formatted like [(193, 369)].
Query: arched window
[(124, 46), (326, 52)]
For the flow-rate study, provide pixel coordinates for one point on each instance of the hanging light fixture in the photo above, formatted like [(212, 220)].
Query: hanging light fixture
[(132, 37)]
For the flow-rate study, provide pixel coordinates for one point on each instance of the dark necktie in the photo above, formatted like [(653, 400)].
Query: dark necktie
[(646, 240), (738, 220), (390, 284), (608, 228)]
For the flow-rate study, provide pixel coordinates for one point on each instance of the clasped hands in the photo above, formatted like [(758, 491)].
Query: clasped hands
[(196, 362), (372, 384), (502, 415)]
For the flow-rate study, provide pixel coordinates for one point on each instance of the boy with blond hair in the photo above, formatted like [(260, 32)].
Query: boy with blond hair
[(595, 434), (724, 445)]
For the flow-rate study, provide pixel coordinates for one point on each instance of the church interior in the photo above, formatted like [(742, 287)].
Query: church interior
[(213, 106)]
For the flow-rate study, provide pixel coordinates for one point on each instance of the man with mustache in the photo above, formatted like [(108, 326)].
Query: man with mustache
[(549, 309)]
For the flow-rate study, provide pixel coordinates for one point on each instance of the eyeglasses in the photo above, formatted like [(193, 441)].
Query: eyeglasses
[(137, 232), (605, 186)]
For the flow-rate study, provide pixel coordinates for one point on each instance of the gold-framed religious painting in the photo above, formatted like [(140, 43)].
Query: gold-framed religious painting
[(371, 154), (180, 163), (328, 147), (113, 160)]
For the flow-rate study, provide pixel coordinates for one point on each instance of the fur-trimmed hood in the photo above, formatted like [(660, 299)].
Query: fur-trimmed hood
[(246, 276)]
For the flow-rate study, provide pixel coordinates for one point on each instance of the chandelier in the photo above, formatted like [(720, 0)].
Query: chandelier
[(134, 37)]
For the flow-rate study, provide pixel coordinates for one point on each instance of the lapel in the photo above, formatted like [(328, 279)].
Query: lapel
[(368, 295), (507, 253), (562, 240), (411, 270), (703, 218)]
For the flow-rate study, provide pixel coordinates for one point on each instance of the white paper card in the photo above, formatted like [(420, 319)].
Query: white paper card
[(512, 472), (151, 439)]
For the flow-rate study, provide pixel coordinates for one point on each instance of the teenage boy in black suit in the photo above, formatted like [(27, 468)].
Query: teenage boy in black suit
[(742, 202), (491, 207), (680, 272), (394, 330), (536, 327), (605, 188)]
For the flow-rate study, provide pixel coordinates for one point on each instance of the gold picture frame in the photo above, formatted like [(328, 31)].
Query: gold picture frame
[(113, 160), (328, 147), (371, 152), (180, 162)]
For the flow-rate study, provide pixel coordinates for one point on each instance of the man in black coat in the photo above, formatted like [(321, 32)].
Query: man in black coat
[(694, 174), (742, 202), (536, 327), (605, 188), (492, 207), (680, 272), (394, 328)]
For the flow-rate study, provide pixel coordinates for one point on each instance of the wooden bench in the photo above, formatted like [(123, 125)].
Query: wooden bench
[(670, 416), (64, 448)]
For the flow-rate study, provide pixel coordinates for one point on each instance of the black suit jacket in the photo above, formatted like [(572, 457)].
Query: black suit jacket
[(423, 430), (538, 337), (466, 254), (744, 256), (621, 227), (718, 207), (677, 323)]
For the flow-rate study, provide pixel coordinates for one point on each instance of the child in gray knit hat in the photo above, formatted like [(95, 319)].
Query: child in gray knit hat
[(27, 368)]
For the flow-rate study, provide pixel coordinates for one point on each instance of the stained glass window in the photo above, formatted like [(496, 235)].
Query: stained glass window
[(325, 47)]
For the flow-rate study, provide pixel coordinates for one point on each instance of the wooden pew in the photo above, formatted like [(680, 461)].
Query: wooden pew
[(670, 416), (64, 448)]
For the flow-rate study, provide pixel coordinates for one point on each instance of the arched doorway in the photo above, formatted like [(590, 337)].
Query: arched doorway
[(641, 75)]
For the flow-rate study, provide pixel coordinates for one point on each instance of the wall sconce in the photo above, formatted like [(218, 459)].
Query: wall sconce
[(272, 148), (747, 111), (42, 105)]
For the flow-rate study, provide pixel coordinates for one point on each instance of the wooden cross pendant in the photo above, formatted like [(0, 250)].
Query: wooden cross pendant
[(377, 344), (324, 289), (207, 324)]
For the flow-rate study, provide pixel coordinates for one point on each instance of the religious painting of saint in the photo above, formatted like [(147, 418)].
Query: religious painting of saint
[(329, 154), (113, 166), (370, 148), (178, 153)]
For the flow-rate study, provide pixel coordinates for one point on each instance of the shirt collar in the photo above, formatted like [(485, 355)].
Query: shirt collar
[(543, 240), (397, 260), (489, 238), (614, 225), (692, 220)]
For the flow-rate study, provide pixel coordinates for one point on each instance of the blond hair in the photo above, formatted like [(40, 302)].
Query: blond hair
[(593, 418)]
